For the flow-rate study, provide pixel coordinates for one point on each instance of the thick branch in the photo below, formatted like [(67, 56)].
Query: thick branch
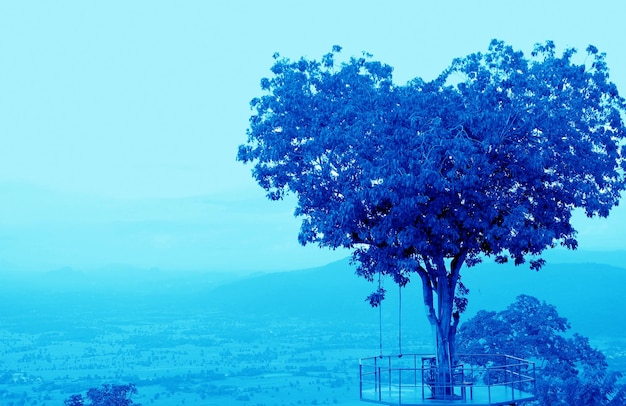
[(455, 267), (427, 289)]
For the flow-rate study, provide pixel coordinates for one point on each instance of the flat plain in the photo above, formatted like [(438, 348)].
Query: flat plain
[(292, 338)]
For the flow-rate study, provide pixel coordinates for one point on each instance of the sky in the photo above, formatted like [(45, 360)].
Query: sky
[(120, 121)]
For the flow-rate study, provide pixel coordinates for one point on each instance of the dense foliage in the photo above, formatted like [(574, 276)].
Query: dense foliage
[(107, 395), (489, 159), (571, 373)]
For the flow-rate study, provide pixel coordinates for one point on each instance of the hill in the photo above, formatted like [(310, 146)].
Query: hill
[(588, 294)]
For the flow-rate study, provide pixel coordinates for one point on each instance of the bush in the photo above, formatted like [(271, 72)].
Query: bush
[(107, 395)]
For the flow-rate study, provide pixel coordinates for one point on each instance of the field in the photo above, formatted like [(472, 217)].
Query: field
[(177, 359), (178, 349), (276, 339)]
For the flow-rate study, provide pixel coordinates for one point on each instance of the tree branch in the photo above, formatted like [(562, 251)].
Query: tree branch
[(427, 290)]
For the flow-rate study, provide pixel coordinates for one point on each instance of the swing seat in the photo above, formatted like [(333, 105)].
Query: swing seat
[(464, 386), (458, 378)]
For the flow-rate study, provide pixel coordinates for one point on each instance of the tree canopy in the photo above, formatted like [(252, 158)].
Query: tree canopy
[(487, 160), (571, 373)]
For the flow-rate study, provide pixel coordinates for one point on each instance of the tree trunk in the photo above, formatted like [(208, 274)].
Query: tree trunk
[(436, 279), (445, 367), (446, 334)]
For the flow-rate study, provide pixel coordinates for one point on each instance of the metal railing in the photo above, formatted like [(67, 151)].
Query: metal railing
[(415, 379)]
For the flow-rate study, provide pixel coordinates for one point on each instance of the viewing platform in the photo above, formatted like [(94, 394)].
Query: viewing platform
[(479, 380)]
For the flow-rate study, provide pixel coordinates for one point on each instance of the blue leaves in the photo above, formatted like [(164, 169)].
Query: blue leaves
[(501, 259), (265, 85), (376, 298), (119, 395), (328, 60), (573, 372), (489, 159), (302, 65), (547, 49), (537, 264)]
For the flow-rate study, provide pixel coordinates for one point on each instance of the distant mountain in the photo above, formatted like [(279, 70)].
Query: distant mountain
[(590, 295), (332, 291), (616, 258)]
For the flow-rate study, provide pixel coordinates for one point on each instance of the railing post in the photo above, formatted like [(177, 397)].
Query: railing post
[(360, 380), (380, 386), (399, 386), (534, 380), (415, 371), (448, 382), (506, 370), (423, 394), (389, 373), (519, 377), (489, 384)]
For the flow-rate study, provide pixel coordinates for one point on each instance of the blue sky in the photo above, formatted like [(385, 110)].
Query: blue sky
[(120, 121)]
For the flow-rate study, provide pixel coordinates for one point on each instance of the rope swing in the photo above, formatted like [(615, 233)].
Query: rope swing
[(380, 318), (399, 321)]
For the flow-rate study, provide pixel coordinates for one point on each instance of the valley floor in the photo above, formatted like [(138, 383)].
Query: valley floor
[(209, 359)]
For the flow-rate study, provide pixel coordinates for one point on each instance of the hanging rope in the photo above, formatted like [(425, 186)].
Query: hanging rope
[(380, 318), (399, 320)]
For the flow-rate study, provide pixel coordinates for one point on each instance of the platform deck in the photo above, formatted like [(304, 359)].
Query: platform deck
[(478, 396)]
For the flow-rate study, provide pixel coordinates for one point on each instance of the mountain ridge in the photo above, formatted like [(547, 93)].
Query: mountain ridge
[(588, 294)]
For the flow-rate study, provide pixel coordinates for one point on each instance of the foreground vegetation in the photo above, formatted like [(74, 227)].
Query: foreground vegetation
[(571, 371)]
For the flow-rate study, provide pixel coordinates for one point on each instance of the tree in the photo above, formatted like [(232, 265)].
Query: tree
[(487, 160), (107, 395), (572, 372)]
